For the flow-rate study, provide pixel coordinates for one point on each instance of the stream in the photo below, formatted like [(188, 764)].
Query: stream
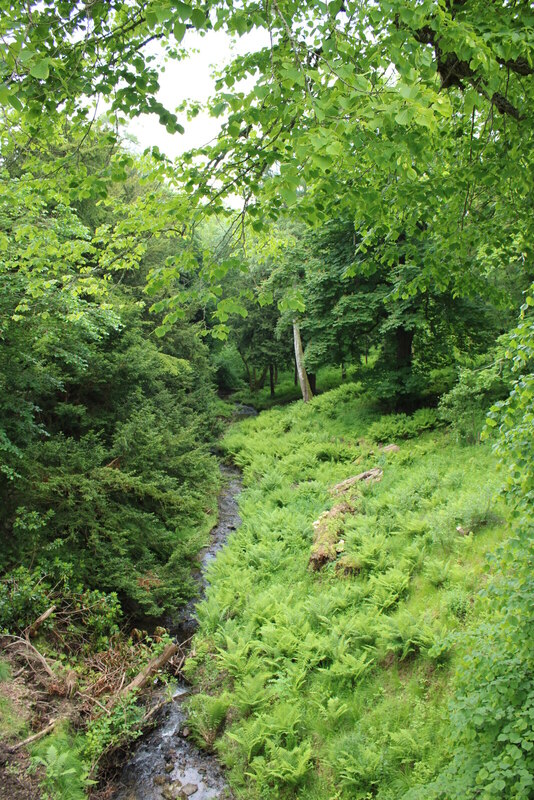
[(166, 765)]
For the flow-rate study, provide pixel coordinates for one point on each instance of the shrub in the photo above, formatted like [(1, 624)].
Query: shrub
[(357, 764), (404, 635), (458, 603), (228, 367), (389, 587), (493, 707), (437, 571), (119, 727), (402, 426), (465, 406)]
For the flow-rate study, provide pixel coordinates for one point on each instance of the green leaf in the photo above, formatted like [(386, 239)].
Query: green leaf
[(179, 30), (183, 10), (15, 102), (405, 116), (40, 69), (288, 194), (198, 18)]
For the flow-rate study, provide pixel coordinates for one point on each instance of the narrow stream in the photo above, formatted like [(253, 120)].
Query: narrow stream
[(166, 765)]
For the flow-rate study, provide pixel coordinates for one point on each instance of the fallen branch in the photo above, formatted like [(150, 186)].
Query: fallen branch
[(94, 700), (32, 630), (49, 728), (33, 652), (327, 530), (141, 680)]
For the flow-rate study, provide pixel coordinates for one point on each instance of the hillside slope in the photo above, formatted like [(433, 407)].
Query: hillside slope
[(325, 670)]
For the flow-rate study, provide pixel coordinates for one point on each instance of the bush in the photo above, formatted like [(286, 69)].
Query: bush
[(206, 717), (402, 426), (465, 406), (493, 707)]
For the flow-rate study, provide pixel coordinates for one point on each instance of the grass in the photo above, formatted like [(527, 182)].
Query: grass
[(12, 719), (334, 683)]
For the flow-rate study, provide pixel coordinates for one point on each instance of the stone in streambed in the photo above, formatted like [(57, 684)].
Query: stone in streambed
[(169, 767), (160, 780), (173, 791), (189, 789)]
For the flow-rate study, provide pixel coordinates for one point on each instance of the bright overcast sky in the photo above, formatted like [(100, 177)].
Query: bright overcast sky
[(191, 79)]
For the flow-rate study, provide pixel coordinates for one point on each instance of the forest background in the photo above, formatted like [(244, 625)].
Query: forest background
[(382, 154)]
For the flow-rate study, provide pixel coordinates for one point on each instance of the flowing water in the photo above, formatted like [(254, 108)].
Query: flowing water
[(167, 765)]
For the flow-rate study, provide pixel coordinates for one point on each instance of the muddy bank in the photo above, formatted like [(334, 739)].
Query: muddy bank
[(165, 764)]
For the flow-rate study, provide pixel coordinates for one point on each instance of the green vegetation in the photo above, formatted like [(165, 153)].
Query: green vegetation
[(335, 682), (356, 640)]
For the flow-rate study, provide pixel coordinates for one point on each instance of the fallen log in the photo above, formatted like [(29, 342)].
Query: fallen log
[(373, 475), (327, 530), (141, 680)]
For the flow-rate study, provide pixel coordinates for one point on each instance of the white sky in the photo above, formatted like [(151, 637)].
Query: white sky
[(191, 79)]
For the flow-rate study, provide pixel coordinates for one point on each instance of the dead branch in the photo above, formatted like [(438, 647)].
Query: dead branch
[(370, 475), (50, 727), (31, 650), (94, 700), (141, 680), (32, 630)]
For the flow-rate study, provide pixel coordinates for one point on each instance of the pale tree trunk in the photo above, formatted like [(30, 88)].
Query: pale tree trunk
[(299, 361)]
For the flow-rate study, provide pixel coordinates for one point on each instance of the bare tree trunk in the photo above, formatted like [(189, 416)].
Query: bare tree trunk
[(271, 379), (299, 361), (296, 374)]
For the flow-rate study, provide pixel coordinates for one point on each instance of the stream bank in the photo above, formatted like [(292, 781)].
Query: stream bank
[(166, 764)]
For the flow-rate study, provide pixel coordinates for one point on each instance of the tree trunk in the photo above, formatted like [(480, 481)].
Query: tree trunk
[(343, 371), (403, 342), (271, 379), (296, 374), (276, 374), (312, 377), (247, 369), (299, 362), (260, 383)]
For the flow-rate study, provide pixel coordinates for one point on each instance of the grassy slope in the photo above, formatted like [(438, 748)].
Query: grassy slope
[(286, 391), (332, 686)]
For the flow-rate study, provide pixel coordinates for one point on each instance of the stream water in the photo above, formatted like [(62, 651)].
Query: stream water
[(166, 764)]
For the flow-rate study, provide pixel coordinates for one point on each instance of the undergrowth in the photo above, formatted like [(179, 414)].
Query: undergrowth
[(335, 683), (287, 390)]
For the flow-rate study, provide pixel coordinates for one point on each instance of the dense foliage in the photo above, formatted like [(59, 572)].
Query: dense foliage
[(383, 153), (104, 431)]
